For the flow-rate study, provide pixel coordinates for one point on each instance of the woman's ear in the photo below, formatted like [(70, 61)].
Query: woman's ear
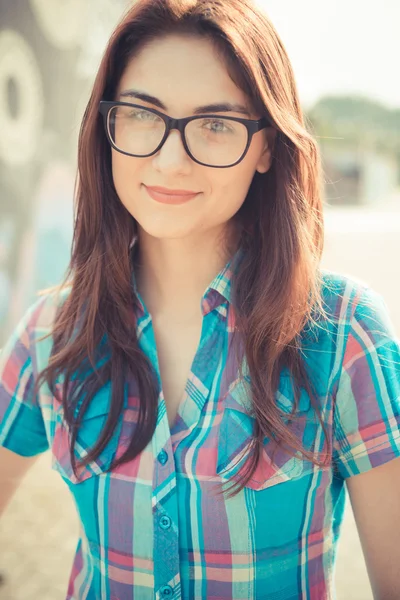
[(265, 161)]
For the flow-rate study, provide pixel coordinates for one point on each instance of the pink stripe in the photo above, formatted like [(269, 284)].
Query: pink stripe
[(218, 574), (219, 559), (11, 374), (317, 550), (120, 576), (124, 560)]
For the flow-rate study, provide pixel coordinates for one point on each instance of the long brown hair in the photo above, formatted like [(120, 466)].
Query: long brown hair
[(275, 292)]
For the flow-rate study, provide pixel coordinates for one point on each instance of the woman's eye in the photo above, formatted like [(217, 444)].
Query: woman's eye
[(141, 114), (216, 126)]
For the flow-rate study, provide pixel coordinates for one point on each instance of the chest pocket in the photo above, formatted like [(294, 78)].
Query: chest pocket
[(90, 430), (236, 432)]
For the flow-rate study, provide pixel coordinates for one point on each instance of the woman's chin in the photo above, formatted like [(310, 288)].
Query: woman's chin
[(161, 229)]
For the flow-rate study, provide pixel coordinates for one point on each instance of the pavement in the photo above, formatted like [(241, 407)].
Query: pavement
[(39, 529)]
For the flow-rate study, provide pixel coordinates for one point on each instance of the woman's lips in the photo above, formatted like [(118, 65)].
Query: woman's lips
[(169, 198)]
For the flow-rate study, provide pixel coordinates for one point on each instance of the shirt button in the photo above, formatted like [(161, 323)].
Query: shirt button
[(166, 590), (165, 522), (162, 457)]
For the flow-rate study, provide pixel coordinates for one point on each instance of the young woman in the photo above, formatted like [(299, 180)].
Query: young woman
[(196, 341)]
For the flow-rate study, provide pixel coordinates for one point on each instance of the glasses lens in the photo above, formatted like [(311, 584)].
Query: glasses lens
[(216, 141), (213, 141), (135, 130)]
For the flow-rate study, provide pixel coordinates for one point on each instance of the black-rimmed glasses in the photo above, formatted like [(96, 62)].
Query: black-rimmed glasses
[(210, 140)]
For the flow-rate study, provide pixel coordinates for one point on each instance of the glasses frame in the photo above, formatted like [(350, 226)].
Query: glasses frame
[(252, 126)]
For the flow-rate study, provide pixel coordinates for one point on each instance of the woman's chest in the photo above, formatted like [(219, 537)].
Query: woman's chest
[(176, 348), (259, 538), (163, 503)]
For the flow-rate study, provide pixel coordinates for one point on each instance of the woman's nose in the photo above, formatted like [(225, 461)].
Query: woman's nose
[(173, 153)]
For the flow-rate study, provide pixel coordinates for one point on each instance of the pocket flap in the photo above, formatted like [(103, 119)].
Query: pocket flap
[(236, 432), (89, 432)]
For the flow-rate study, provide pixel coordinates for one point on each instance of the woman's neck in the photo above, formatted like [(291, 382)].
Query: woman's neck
[(172, 275)]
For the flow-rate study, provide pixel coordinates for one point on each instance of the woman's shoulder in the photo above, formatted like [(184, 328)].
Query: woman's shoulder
[(345, 299), (350, 304), (34, 330), (351, 299), (345, 294), (341, 285), (40, 315)]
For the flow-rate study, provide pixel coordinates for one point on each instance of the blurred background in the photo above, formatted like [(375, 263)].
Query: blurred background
[(343, 55)]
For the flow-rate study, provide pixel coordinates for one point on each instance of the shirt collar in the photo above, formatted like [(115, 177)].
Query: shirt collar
[(220, 288)]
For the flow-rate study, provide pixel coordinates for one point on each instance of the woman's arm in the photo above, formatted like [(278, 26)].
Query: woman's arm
[(12, 470), (375, 499)]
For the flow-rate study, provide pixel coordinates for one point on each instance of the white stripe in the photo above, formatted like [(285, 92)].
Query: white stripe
[(189, 467), (18, 401), (84, 579), (250, 497), (337, 365), (101, 513)]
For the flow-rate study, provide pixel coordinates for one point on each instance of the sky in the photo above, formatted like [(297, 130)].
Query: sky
[(341, 46)]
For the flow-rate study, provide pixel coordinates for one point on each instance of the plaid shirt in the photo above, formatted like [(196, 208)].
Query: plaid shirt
[(152, 528)]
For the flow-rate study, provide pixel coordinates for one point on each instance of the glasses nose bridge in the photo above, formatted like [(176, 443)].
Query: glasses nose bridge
[(178, 124)]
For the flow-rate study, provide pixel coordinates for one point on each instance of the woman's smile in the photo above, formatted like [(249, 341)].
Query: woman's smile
[(169, 198)]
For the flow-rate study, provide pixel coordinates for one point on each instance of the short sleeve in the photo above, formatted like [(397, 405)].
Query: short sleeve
[(22, 428), (366, 424)]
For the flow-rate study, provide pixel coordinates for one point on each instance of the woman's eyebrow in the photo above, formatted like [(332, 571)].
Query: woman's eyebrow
[(207, 108)]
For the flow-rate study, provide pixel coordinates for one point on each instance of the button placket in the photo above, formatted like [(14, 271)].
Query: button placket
[(165, 522)]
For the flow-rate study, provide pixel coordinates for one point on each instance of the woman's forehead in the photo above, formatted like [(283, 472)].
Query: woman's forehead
[(181, 68)]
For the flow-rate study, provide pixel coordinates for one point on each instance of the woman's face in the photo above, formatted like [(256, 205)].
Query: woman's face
[(184, 73)]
